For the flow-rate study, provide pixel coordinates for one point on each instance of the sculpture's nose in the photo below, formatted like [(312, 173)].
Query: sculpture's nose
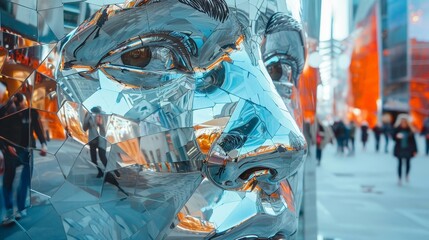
[(259, 147)]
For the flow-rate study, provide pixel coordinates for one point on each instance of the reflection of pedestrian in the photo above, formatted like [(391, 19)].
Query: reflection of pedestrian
[(21, 126), (104, 16), (405, 145), (377, 134), (425, 133), (93, 123), (100, 21), (364, 134)]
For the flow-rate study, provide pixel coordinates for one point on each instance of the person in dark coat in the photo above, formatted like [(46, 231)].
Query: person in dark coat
[(387, 132), (340, 132), (364, 134), (352, 134), (377, 130), (405, 145)]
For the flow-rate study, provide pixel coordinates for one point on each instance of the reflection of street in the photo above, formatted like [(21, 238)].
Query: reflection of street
[(358, 197), (45, 174)]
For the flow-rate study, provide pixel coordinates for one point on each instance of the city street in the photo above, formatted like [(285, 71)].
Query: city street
[(358, 196)]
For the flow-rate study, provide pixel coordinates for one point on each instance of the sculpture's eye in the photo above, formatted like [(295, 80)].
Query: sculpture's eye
[(137, 58), (280, 71), (147, 66), (152, 59)]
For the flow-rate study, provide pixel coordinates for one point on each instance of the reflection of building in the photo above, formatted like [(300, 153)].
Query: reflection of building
[(76, 12), (395, 80), (364, 69), (419, 82), (37, 20)]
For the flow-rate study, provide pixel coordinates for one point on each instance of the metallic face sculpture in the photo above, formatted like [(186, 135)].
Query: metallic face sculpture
[(189, 106)]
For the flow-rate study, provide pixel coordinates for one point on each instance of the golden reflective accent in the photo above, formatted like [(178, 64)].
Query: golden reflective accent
[(191, 223), (213, 65), (288, 195), (206, 139), (52, 125), (251, 185), (222, 58), (69, 117), (3, 56), (135, 3), (207, 133), (134, 154), (239, 41), (79, 68)]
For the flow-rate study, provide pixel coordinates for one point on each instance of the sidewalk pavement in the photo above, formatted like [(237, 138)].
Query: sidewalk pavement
[(358, 196)]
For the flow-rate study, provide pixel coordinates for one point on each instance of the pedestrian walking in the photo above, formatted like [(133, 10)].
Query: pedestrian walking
[(405, 145), (324, 135), (425, 133), (364, 134), (352, 134), (377, 130), (387, 131), (340, 132)]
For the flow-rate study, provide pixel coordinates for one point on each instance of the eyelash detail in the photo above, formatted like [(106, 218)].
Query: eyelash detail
[(180, 44)]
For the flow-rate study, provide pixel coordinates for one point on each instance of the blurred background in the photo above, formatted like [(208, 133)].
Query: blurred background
[(372, 64)]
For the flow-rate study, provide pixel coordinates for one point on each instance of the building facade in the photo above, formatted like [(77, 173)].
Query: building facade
[(394, 79)]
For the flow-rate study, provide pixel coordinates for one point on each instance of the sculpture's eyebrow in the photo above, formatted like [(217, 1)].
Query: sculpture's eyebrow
[(282, 22), (217, 9)]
